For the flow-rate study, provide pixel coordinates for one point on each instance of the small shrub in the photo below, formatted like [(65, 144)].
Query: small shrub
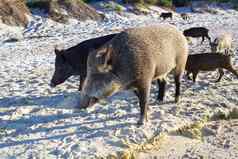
[(118, 8), (108, 6), (166, 3), (152, 2)]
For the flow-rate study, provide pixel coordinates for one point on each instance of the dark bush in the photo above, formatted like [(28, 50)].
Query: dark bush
[(181, 3)]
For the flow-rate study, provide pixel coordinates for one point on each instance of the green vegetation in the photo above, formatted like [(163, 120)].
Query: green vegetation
[(115, 6), (165, 3), (118, 8)]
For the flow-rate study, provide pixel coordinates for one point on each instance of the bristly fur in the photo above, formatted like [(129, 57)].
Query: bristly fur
[(222, 44), (136, 58), (209, 62), (73, 61)]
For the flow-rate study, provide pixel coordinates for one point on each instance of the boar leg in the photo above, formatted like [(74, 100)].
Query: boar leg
[(81, 83), (177, 87), (203, 38), (232, 70), (221, 73), (161, 84), (208, 38), (143, 95), (195, 76), (187, 75)]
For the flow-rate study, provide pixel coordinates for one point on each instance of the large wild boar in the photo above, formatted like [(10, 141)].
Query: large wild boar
[(166, 15), (209, 62), (73, 61), (133, 59), (197, 32), (185, 16)]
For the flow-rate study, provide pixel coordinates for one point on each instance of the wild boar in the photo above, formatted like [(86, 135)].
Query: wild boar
[(166, 15), (222, 44), (197, 32), (185, 16), (73, 61), (209, 62), (133, 59)]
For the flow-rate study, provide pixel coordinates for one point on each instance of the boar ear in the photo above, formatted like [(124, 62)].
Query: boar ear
[(105, 55), (60, 53), (215, 42), (101, 52), (104, 51), (57, 50)]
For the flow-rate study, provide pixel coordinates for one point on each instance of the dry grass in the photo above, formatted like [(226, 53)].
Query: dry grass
[(75, 9), (14, 12), (193, 131)]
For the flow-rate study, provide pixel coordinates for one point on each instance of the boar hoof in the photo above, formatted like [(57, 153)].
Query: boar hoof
[(189, 78), (142, 121), (177, 99), (160, 98), (218, 80), (88, 102)]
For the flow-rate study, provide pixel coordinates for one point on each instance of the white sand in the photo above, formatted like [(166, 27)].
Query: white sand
[(40, 122), (220, 141)]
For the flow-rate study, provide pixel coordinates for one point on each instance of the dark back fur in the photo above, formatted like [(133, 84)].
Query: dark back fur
[(77, 55), (196, 32), (185, 16), (207, 62), (166, 15)]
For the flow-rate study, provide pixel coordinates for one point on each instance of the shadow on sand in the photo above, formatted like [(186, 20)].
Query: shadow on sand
[(65, 100)]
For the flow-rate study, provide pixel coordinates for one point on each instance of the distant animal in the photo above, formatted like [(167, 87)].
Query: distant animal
[(185, 16), (209, 62), (197, 32), (166, 15), (73, 61), (133, 59), (222, 44)]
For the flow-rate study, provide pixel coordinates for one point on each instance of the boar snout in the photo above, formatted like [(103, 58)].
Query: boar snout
[(52, 85)]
